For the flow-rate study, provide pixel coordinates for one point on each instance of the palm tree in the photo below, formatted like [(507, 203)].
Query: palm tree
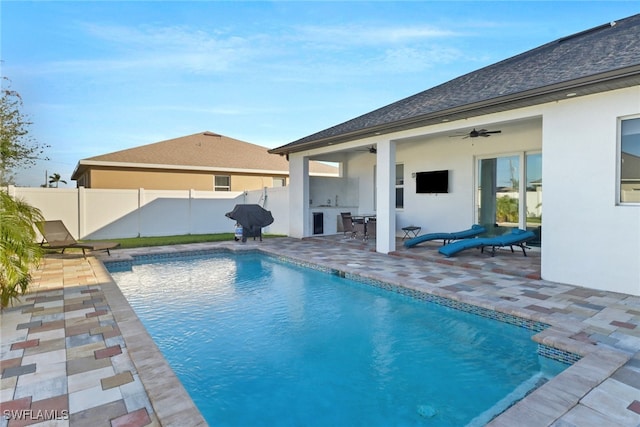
[(18, 248), (55, 179)]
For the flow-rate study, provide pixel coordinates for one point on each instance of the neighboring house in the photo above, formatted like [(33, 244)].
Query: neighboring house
[(204, 161), (568, 113)]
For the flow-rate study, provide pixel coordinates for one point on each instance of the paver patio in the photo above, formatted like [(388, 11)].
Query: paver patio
[(74, 353)]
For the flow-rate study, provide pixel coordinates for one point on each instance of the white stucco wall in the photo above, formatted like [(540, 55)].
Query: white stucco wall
[(299, 225), (456, 209), (588, 239)]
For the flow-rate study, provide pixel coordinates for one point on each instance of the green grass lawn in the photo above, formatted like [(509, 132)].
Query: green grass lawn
[(138, 242)]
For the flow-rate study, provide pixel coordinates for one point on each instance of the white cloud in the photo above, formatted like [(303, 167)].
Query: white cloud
[(175, 50), (158, 37), (157, 48), (417, 59), (360, 35), (217, 110)]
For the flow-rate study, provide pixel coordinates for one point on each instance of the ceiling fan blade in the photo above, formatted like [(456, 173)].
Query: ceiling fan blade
[(372, 150), (485, 133), (475, 133)]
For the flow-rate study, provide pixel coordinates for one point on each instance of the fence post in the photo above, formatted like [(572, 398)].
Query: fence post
[(139, 210), (82, 212), (192, 195)]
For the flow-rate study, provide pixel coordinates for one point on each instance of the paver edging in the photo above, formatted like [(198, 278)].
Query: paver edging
[(158, 379), (562, 334), (563, 392)]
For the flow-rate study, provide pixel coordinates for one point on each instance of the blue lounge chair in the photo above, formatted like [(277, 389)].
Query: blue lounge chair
[(517, 237), (446, 237)]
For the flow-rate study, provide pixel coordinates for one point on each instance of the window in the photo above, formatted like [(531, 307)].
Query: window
[(222, 183), (399, 186), (629, 168), (279, 182)]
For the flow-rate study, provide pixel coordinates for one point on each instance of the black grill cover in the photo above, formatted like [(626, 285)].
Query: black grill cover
[(251, 216)]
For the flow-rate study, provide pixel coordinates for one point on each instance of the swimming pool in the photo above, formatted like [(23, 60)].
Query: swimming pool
[(260, 342)]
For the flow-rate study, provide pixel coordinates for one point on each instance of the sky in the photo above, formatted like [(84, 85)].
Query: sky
[(102, 76)]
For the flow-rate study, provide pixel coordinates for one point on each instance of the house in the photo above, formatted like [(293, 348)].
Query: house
[(203, 161), (561, 120)]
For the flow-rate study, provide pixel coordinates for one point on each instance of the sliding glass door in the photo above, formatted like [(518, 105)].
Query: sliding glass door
[(533, 191), (508, 194)]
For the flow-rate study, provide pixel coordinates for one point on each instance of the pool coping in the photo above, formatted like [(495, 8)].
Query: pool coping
[(544, 406), (172, 404)]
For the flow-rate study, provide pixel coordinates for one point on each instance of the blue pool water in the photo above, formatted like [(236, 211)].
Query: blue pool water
[(260, 342)]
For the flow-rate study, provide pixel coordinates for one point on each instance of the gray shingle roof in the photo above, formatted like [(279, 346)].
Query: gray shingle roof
[(602, 58)]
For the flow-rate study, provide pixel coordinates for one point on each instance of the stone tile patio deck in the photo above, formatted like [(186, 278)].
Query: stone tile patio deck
[(73, 352)]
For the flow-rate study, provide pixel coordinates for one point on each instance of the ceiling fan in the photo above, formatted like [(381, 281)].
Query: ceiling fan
[(476, 133), (372, 149)]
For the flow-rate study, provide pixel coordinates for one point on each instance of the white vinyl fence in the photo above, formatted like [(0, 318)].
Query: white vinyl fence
[(110, 214)]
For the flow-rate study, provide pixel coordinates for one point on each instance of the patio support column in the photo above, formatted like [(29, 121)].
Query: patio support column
[(299, 222), (386, 197)]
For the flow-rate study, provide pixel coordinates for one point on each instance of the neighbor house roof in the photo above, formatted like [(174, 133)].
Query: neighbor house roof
[(200, 151), (603, 58)]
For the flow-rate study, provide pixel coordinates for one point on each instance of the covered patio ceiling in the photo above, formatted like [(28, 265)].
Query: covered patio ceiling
[(454, 132)]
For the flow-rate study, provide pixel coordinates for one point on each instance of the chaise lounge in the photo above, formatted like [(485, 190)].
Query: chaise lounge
[(517, 237), (474, 231), (55, 235)]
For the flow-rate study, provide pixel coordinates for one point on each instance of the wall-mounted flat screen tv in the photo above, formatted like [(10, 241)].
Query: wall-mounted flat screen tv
[(432, 182)]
